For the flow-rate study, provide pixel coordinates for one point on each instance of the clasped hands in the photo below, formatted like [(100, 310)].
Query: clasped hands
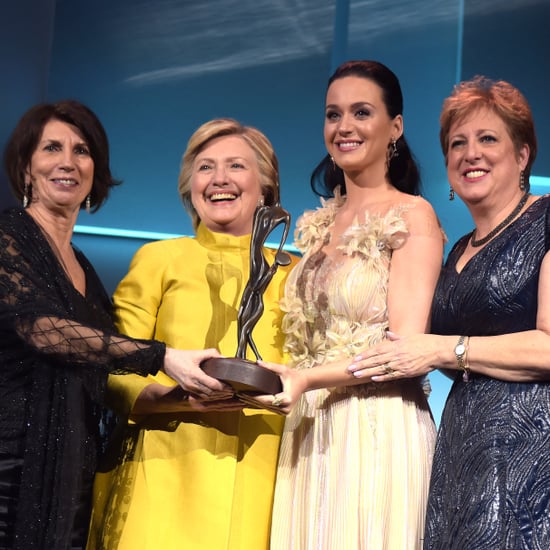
[(392, 359)]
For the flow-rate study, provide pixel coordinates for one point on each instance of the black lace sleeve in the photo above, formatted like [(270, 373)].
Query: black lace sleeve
[(40, 307), (70, 342)]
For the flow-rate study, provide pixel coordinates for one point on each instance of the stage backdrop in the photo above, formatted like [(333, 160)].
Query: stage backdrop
[(155, 70)]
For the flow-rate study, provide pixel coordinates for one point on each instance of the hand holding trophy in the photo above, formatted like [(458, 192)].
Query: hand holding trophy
[(246, 377)]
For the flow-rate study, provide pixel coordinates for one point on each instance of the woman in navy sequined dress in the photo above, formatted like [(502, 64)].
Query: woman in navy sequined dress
[(491, 333)]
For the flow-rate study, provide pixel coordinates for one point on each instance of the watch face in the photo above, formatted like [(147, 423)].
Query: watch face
[(460, 349)]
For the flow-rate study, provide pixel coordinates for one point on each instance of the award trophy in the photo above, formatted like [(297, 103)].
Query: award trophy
[(246, 377)]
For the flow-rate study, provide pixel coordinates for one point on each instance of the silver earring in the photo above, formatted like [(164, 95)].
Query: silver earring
[(25, 195), (260, 201), (522, 181), (393, 149), (88, 203), (451, 194), (333, 163)]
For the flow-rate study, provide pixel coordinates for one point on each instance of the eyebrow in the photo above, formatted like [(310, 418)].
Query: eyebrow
[(228, 159), (353, 105), (477, 133), (56, 141)]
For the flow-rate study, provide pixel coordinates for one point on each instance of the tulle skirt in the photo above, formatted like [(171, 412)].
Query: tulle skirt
[(354, 469)]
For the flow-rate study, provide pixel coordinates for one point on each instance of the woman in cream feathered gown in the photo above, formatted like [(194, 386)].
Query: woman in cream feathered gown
[(355, 456)]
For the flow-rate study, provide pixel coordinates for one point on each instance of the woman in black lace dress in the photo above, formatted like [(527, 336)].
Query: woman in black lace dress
[(57, 338), (491, 313)]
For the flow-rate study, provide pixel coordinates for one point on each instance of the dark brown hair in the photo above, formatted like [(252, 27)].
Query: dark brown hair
[(26, 136), (403, 170)]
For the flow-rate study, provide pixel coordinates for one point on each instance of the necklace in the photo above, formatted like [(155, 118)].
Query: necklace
[(501, 225)]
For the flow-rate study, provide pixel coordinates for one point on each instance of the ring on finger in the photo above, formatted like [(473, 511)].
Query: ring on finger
[(276, 401), (387, 368)]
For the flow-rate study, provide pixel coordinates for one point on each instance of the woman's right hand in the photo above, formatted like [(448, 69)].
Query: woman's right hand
[(160, 399), (183, 366), (293, 386)]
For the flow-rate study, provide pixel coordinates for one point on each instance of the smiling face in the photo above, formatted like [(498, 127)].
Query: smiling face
[(225, 185), (358, 128), (482, 160), (61, 170)]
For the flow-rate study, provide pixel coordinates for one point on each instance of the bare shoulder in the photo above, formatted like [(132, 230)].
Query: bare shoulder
[(420, 216)]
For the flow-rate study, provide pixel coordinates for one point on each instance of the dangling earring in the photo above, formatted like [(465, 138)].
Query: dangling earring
[(451, 194), (88, 203), (392, 150), (522, 181), (333, 163), (25, 195)]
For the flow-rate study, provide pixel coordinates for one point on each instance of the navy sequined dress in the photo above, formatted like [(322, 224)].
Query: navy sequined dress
[(490, 485)]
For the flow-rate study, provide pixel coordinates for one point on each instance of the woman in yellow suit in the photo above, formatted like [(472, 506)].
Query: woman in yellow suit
[(189, 473)]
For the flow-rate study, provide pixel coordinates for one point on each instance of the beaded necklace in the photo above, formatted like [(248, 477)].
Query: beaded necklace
[(501, 225)]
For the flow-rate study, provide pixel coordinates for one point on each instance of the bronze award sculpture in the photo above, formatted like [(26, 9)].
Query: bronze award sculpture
[(246, 377)]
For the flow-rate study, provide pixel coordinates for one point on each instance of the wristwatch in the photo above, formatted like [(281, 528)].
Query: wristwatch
[(461, 349), (460, 352)]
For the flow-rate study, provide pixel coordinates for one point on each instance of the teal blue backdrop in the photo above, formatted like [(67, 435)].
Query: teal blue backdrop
[(155, 70)]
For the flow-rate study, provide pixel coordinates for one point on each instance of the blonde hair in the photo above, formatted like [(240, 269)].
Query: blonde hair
[(268, 163), (500, 97)]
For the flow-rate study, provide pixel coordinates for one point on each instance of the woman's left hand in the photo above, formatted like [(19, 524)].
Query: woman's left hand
[(396, 357)]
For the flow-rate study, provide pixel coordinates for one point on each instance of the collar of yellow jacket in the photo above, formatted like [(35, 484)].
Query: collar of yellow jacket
[(222, 241)]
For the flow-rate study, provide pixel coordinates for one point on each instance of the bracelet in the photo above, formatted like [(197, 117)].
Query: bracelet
[(466, 367), (461, 354)]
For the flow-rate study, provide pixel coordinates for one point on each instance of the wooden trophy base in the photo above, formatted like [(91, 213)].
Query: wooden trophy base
[(243, 376)]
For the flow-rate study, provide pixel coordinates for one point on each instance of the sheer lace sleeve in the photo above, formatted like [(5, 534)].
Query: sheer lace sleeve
[(37, 306), (72, 342)]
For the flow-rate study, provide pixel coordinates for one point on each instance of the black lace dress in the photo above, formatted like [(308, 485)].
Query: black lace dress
[(490, 485), (56, 349)]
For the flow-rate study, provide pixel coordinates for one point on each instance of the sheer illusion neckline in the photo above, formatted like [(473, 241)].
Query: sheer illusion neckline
[(59, 258)]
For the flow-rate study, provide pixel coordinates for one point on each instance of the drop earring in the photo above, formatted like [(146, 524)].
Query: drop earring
[(393, 149), (391, 152), (451, 194), (522, 181), (26, 195), (88, 203)]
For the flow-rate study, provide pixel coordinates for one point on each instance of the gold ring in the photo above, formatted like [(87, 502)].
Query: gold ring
[(387, 368), (276, 401)]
